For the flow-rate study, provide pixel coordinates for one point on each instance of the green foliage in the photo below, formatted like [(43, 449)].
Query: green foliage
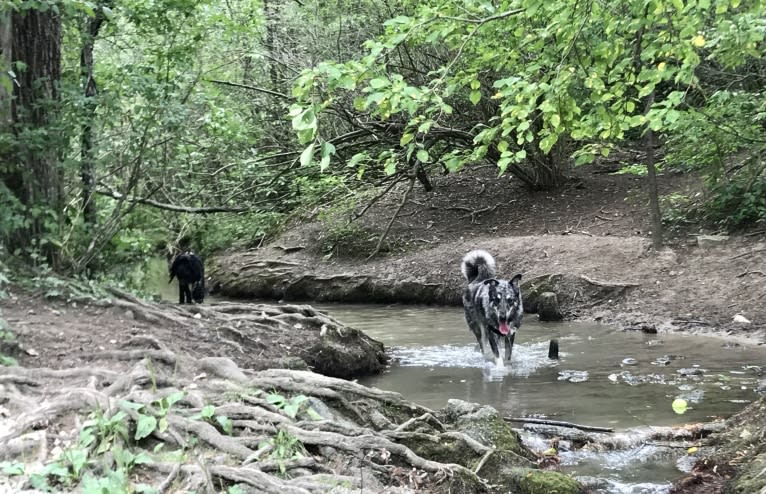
[(284, 446), (12, 469), (208, 415), (102, 432), (677, 209), (293, 406), (157, 419), (725, 141)]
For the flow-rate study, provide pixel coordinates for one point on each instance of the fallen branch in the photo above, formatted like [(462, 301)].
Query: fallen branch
[(748, 253), (172, 207), (558, 423), (608, 284)]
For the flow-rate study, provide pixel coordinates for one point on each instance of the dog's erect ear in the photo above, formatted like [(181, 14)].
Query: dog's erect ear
[(491, 282), (515, 282)]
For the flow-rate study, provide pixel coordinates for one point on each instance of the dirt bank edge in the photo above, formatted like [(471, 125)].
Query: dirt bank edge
[(616, 280)]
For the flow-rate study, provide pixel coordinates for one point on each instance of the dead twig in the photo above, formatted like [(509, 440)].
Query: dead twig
[(740, 275), (749, 253), (393, 218), (558, 423)]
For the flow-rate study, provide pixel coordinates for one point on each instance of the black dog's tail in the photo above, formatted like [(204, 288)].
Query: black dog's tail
[(478, 265)]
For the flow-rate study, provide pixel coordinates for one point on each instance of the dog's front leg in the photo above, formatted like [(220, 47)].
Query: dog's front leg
[(495, 351), (509, 345)]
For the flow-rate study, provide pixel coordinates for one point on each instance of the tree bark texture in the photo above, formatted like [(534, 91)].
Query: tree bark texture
[(5, 63), (33, 174), (651, 176), (87, 163)]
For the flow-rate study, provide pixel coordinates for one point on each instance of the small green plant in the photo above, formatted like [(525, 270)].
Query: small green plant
[(208, 415), (105, 431), (66, 470), (284, 446), (676, 208), (11, 469), (637, 169), (158, 420), (293, 406)]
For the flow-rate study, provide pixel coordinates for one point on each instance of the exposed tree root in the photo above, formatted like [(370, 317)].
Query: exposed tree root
[(262, 439)]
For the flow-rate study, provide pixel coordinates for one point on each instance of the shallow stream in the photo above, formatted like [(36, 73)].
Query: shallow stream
[(604, 378)]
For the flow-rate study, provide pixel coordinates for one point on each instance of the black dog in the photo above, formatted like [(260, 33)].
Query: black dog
[(189, 270), (493, 308)]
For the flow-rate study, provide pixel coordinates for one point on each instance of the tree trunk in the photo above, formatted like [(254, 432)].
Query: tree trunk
[(6, 85), (33, 174), (87, 160), (270, 15), (651, 177)]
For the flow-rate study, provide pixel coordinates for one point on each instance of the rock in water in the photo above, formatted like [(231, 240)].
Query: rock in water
[(548, 307), (553, 350)]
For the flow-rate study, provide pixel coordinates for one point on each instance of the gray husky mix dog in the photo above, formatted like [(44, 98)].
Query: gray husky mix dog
[(493, 307)]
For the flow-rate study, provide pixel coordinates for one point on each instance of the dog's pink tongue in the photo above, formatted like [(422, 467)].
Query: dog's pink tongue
[(504, 329)]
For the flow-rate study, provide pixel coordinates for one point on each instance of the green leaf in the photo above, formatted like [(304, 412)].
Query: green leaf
[(555, 120), (475, 97), (307, 155), (356, 159), (328, 148), (162, 426), (227, 425), (305, 120), (276, 399), (503, 163), (378, 83), (422, 156), (172, 399), (406, 138), (390, 167), (131, 405), (12, 469), (547, 142), (207, 411), (146, 425), (630, 106)]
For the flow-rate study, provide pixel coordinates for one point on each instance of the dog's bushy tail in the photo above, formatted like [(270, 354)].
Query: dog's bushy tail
[(478, 265)]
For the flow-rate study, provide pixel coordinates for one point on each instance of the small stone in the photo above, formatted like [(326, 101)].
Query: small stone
[(32, 352), (197, 316), (691, 372), (55, 312), (629, 361), (739, 318)]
